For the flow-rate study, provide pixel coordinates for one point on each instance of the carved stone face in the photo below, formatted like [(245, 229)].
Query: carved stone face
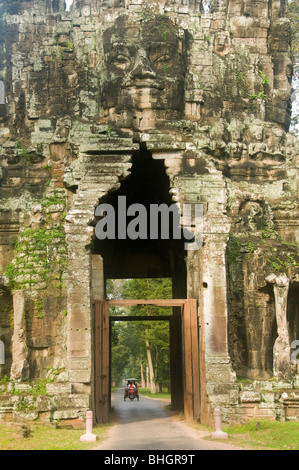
[(143, 79)]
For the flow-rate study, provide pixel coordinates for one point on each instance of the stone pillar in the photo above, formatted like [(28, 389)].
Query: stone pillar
[(218, 434), (207, 281), (97, 277), (79, 326), (207, 274), (281, 350), (214, 304), (89, 436), (20, 367), (85, 282)]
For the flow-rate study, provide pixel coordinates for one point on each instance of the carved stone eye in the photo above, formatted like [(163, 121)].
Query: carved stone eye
[(121, 61), (162, 62), (163, 58)]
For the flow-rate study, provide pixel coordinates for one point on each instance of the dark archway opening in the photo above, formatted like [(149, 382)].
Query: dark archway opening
[(148, 184), (129, 258)]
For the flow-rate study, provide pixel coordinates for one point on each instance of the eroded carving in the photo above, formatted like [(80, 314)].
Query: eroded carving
[(281, 350), (144, 70)]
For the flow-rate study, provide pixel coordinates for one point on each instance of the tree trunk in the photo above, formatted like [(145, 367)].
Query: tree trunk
[(157, 383), (150, 365), (149, 354), (142, 375)]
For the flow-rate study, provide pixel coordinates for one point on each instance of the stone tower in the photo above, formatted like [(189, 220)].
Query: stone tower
[(192, 101)]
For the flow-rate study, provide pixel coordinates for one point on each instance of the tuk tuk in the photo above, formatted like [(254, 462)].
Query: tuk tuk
[(131, 389)]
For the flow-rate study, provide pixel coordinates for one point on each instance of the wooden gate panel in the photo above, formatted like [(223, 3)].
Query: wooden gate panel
[(187, 363), (191, 360), (195, 358), (102, 361)]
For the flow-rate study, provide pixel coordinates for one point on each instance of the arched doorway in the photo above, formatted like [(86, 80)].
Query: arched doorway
[(143, 253)]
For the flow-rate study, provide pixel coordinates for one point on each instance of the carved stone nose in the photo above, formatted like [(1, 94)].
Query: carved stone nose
[(142, 67)]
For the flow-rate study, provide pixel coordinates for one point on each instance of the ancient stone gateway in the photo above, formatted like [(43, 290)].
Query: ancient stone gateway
[(160, 103)]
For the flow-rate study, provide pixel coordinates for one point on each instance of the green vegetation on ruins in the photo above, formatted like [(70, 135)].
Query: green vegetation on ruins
[(40, 254), (279, 255)]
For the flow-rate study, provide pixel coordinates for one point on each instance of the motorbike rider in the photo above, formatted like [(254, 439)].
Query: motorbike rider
[(132, 385)]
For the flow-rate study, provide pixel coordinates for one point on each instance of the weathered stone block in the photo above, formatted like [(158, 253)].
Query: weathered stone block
[(72, 402), (67, 415), (22, 387), (250, 397), (7, 402), (58, 388), (25, 415), (268, 398), (44, 403)]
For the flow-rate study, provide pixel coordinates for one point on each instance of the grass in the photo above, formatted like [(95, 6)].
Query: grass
[(44, 437), (254, 435), (262, 434), (161, 395)]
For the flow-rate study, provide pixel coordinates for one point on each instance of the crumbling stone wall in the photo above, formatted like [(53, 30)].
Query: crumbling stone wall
[(208, 93)]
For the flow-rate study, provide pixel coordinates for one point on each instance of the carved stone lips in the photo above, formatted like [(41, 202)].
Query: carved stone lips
[(145, 83)]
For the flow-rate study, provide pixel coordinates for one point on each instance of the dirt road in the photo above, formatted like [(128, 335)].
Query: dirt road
[(146, 425)]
